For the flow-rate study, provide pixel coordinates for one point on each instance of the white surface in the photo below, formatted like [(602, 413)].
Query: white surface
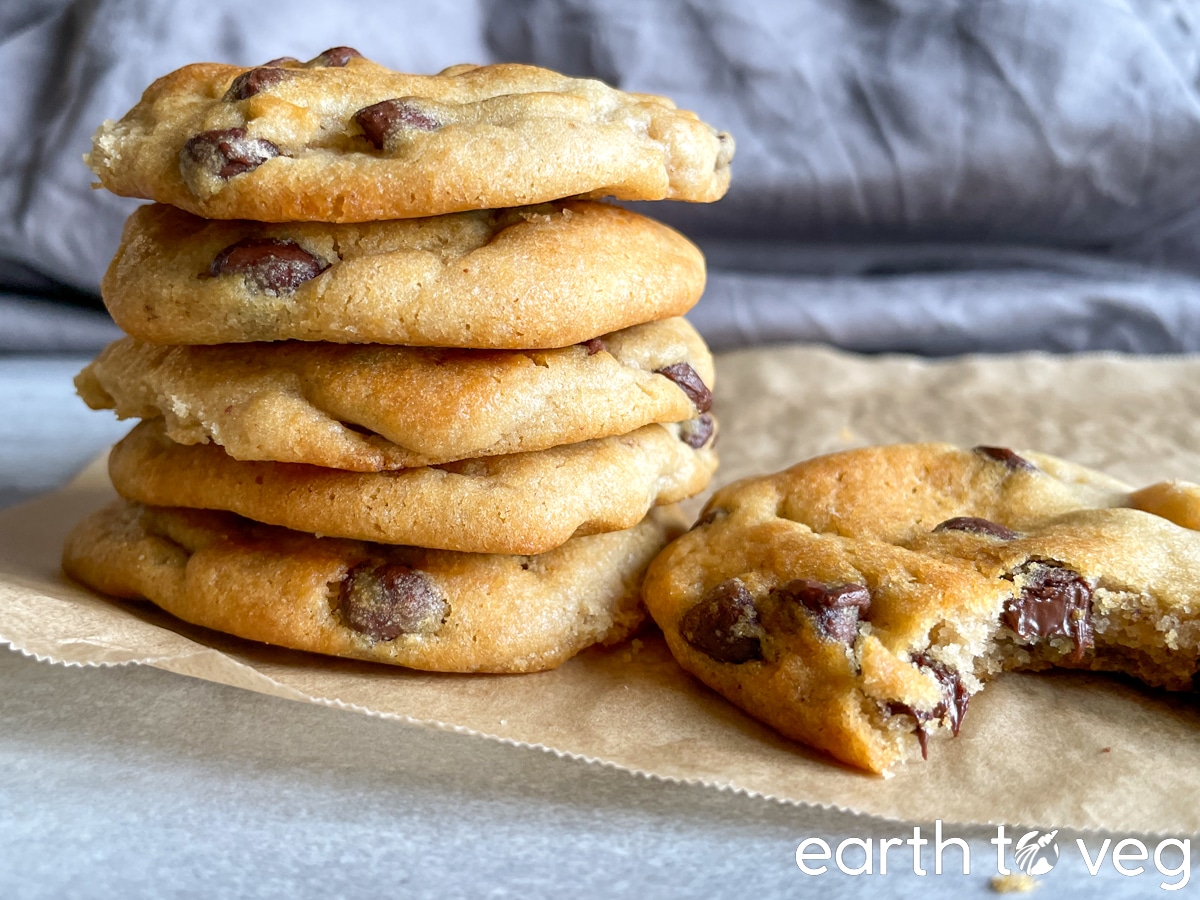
[(132, 782)]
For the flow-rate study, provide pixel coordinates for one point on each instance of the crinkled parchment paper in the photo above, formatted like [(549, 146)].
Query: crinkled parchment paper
[(1060, 749)]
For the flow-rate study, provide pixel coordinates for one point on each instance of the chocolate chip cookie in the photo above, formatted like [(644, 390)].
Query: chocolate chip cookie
[(856, 602), (342, 139), (546, 276), (369, 408), (522, 503), (425, 609)]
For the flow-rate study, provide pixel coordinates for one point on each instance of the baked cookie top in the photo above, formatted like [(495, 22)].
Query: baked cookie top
[(369, 408), (343, 139), (856, 601), (535, 277), (425, 609), (523, 503)]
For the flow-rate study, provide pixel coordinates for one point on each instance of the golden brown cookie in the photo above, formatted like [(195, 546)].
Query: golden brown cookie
[(375, 407), (425, 609), (342, 139), (856, 602), (523, 503), (540, 277)]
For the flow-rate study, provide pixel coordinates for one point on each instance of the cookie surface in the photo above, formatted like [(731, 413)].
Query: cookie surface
[(539, 277), (342, 139), (524, 503), (369, 408), (425, 609), (855, 602)]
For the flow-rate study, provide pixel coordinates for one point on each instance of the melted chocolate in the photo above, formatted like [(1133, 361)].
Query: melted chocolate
[(835, 609), (1054, 600), (951, 709)]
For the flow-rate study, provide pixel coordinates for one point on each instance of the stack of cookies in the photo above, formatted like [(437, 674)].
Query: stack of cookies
[(402, 401)]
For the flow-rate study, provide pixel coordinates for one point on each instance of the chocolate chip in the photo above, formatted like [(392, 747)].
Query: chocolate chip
[(250, 83), (974, 525), (1006, 456), (951, 708), (690, 383), (593, 346), (380, 121), (272, 265), (835, 609), (1054, 600), (384, 602), (724, 625), (227, 152), (713, 515), (696, 432), (335, 57)]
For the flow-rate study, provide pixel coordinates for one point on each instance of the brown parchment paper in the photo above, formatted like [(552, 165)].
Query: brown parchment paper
[(1063, 749)]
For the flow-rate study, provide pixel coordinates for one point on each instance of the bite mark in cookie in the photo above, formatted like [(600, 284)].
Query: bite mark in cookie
[(1053, 601)]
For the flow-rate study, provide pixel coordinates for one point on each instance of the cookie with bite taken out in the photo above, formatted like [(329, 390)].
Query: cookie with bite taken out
[(857, 601)]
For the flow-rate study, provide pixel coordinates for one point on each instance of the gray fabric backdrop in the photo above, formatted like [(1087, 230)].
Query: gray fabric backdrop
[(920, 175)]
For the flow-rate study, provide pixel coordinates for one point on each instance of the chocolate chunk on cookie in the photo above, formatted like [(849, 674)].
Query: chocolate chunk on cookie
[(887, 585), (388, 600), (724, 625), (223, 154), (268, 265), (425, 609), (343, 139)]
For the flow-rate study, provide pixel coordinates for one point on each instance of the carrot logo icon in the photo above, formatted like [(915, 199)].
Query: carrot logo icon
[(1036, 853)]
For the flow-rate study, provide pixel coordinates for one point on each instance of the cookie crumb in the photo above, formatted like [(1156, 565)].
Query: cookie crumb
[(1106, 749), (1013, 883)]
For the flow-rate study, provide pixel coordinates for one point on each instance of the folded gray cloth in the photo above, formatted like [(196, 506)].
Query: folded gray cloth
[(920, 175)]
